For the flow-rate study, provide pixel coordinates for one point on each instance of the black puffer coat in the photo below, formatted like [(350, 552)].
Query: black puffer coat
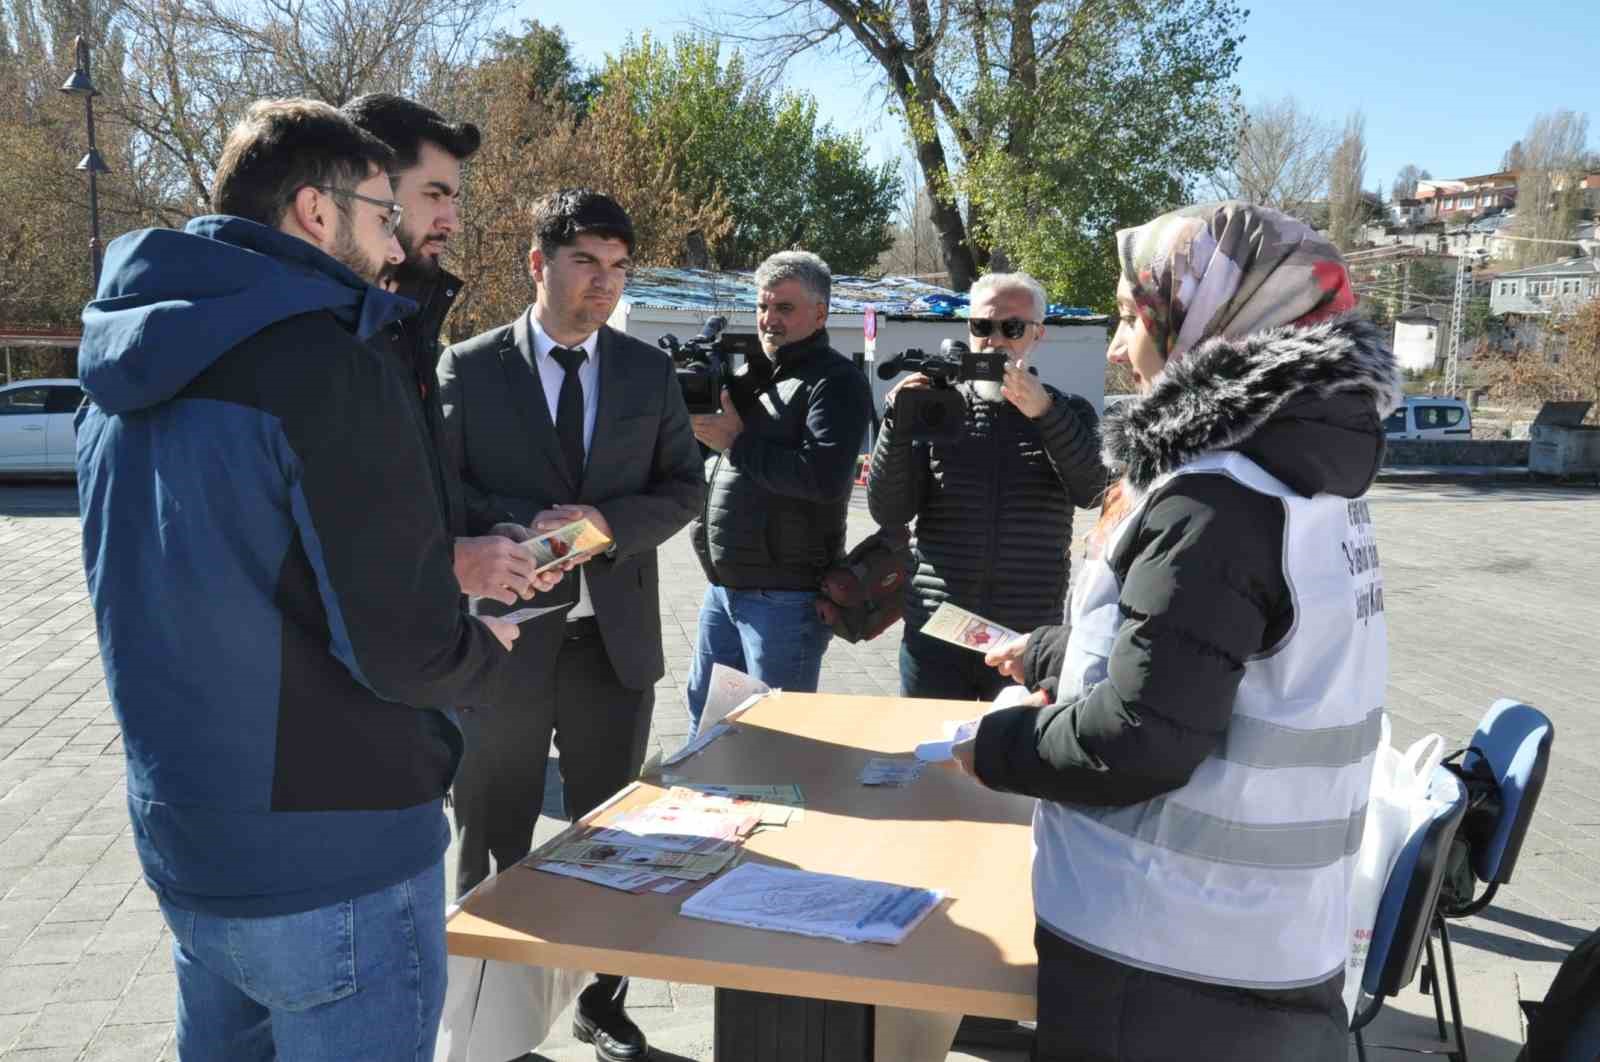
[(776, 501), (993, 510), (1203, 588)]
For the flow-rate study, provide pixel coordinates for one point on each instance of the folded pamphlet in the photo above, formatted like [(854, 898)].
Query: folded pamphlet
[(566, 542), (967, 629), (955, 732), (523, 615)]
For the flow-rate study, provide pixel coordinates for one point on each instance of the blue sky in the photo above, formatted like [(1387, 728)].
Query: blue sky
[(1447, 86)]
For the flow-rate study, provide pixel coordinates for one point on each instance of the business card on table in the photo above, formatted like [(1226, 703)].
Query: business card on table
[(967, 629), (880, 771)]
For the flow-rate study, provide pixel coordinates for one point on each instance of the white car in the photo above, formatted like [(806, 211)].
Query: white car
[(1424, 417), (36, 432)]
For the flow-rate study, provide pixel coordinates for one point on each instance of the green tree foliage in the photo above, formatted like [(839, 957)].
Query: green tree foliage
[(1110, 130), (789, 181), (1051, 123)]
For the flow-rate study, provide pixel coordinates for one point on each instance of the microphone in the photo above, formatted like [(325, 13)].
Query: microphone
[(713, 327)]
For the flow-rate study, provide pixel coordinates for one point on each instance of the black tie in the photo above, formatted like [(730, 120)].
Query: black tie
[(569, 410)]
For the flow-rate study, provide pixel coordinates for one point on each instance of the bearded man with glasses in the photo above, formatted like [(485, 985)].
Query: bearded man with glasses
[(280, 624), (993, 510)]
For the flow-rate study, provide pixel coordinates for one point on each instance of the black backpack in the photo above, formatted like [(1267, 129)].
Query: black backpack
[(1566, 1026), (864, 594)]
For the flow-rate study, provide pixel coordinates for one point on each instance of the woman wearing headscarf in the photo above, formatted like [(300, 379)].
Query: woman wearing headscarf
[(1202, 774)]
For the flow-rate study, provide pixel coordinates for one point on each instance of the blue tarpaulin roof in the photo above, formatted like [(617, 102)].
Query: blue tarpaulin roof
[(699, 289)]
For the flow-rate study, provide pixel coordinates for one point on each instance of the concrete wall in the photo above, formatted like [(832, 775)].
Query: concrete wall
[(1483, 453)]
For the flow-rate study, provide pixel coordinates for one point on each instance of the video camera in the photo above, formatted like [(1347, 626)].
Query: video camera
[(703, 365), (938, 413)]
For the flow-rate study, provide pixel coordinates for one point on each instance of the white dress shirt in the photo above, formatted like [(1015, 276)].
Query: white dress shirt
[(551, 376)]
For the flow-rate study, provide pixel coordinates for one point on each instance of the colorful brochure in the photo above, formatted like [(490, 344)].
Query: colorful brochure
[(566, 542), (967, 629)]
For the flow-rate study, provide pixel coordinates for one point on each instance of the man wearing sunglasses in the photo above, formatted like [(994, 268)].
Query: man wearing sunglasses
[(279, 621), (993, 510)]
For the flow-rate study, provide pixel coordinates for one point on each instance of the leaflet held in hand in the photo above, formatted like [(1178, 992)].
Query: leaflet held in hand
[(565, 542), (967, 629)]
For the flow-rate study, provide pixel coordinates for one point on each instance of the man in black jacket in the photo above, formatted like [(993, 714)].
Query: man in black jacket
[(779, 487), (993, 510), (426, 175)]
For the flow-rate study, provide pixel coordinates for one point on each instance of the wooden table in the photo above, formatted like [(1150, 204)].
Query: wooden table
[(790, 997)]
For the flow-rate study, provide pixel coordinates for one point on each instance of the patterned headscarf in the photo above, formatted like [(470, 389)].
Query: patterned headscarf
[(1229, 269)]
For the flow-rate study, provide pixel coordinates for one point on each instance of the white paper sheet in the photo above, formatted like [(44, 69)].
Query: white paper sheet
[(814, 905)]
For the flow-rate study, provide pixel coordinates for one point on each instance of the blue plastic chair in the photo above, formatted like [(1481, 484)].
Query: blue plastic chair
[(1407, 911), (1513, 742)]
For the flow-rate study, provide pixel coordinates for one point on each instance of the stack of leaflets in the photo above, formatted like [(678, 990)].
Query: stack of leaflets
[(967, 629), (683, 837), (567, 542), (813, 905), (775, 805)]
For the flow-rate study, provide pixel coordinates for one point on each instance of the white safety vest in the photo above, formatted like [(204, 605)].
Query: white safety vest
[(1239, 877)]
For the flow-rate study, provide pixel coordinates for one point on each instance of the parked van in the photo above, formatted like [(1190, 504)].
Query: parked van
[(1425, 417)]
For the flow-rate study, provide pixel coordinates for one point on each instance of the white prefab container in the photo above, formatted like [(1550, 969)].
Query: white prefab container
[(1071, 357), (1560, 444)]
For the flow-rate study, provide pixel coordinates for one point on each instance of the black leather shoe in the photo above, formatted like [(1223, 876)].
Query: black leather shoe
[(615, 1037)]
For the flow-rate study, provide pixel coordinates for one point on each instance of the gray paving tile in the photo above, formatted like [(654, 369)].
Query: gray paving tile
[(64, 1025), (130, 1043), (26, 989), (61, 942), (96, 977)]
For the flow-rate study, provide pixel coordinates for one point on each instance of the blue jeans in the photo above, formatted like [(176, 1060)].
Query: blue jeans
[(358, 980), (773, 635)]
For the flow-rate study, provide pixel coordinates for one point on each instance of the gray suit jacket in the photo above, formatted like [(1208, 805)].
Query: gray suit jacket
[(643, 473)]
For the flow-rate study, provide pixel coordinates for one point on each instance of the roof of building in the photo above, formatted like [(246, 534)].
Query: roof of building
[(1565, 268), (894, 297), (1426, 314)]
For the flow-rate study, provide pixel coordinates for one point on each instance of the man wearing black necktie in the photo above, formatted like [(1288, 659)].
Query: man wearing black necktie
[(550, 418)]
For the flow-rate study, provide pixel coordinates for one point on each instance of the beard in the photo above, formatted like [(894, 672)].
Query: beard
[(347, 251), (419, 268)]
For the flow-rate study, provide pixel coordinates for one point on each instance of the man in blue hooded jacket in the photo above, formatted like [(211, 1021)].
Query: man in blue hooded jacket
[(272, 583)]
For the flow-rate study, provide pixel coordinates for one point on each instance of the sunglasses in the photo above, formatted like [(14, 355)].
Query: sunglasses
[(1011, 327)]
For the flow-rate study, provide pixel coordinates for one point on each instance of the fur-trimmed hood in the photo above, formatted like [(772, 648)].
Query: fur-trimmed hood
[(1305, 403)]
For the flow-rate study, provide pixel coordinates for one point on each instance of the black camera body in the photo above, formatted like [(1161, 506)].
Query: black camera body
[(937, 414), (702, 365)]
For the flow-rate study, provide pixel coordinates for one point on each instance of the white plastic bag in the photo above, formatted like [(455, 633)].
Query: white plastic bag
[(499, 1010), (1397, 799)]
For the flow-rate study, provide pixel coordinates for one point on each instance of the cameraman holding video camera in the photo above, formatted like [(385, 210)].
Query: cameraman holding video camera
[(993, 504), (778, 488)]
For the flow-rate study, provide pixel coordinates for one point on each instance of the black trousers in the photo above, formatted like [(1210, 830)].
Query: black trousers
[(1095, 1009), (930, 667), (601, 728)]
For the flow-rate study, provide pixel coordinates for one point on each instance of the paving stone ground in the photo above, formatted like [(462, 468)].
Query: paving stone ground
[(1491, 590)]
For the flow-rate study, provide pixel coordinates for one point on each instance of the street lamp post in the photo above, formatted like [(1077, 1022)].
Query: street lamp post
[(80, 85)]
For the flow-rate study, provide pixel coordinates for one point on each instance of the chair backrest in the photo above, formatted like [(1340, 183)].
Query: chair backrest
[(1405, 911), (1514, 739)]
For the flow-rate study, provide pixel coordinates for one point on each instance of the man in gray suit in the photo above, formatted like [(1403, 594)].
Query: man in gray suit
[(549, 418)]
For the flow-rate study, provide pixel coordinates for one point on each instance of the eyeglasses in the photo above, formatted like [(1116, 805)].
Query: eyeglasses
[(396, 211), (1011, 327)]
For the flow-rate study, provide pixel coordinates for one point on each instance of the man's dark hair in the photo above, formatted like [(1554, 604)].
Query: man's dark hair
[(404, 124), (280, 147), (561, 217)]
